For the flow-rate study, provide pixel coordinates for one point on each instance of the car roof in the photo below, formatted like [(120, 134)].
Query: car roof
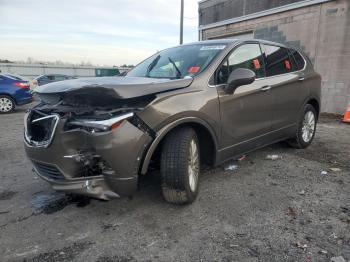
[(232, 41)]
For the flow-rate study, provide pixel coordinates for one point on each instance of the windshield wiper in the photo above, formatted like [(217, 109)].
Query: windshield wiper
[(178, 72), (152, 65)]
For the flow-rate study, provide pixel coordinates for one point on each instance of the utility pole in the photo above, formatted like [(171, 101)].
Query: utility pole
[(181, 22)]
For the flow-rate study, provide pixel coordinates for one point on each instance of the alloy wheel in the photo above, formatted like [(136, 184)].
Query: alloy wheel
[(193, 166), (308, 128), (6, 105)]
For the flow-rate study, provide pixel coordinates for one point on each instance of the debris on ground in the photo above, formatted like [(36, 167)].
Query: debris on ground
[(302, 192), (151, 244), (301, 246), (291, 212), (231, 167), (273, 157), (334, 235), (345, 210), (335, 169), (241, 158), (324, 173), (338, 259), (323, 252)]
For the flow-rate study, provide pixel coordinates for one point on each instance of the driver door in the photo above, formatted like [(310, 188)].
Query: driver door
[(246, 114)]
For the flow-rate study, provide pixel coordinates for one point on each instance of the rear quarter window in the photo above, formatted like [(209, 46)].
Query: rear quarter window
[(277, 60), (298, 58)]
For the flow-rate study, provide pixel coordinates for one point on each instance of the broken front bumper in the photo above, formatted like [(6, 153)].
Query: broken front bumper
[(64, 163)]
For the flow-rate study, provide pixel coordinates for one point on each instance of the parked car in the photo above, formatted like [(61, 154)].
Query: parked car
[(46, 79), (195, 104), (13, 92), (18, 77)]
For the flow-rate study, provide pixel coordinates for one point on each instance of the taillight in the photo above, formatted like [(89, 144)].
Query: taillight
[(22, 85)]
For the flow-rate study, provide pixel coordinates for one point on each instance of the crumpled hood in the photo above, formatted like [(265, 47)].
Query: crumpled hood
[(116, 87)]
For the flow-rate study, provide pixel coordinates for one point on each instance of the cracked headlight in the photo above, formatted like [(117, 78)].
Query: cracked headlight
[(100, 125)]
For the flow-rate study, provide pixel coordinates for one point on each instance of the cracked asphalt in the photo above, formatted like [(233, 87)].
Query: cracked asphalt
[(282, 210)]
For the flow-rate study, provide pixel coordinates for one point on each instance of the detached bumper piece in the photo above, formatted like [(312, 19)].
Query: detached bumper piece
[(102, 186), (102, 164)]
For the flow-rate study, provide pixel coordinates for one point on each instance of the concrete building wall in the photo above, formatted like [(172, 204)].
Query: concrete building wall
[(321, 30)]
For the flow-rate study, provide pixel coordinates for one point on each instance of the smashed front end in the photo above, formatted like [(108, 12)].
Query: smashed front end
[(88, 143)]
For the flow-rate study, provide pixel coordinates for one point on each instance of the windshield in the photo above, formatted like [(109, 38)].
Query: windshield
[(177, 62)]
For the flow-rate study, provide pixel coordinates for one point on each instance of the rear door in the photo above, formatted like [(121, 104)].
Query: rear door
[(286, 85), (246, 114)]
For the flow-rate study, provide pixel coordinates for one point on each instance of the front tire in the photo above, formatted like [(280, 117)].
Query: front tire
[(306, 128), (7, 105), (180, 166)]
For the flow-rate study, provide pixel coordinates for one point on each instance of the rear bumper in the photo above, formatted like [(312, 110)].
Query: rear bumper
[(23, 96), (121, 150)]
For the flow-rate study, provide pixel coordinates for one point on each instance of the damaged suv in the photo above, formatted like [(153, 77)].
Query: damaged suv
[(195, 104)]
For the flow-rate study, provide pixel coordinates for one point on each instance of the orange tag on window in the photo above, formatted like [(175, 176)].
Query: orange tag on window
[(256, 64), (193, 69), (287, 64)]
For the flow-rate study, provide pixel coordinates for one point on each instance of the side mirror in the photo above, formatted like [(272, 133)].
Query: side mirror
[(239, 77)]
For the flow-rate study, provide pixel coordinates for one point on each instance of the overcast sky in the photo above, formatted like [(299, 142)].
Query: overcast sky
[(104, 32)]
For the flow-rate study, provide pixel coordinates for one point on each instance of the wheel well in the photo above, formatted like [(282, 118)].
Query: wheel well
[(206, 145), (13, 99), (315, 105)]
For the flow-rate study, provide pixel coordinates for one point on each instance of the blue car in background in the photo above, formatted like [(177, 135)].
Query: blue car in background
[(14, 91)]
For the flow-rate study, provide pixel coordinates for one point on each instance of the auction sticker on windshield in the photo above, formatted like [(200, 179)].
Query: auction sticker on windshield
[(213, 47)]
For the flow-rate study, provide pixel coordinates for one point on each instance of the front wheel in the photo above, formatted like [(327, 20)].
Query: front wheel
[(180, 166), (306, 128), (7, 105)]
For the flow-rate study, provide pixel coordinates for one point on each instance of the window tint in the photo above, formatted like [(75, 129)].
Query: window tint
[(299, 60), (277, 60), (246, 56), (59, 78)]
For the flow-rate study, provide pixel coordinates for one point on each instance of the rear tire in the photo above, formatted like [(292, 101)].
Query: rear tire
[(306, 128), (7, 105), (180, 166)]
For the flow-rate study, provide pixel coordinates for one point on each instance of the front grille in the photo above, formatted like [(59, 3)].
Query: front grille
[(49, 171), (39, 128)]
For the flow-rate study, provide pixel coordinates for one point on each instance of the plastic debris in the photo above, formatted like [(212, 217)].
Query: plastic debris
[(338, 259), (323, 252), (273, 157), (334, 235), (302, 192), (301, 246), (335, 169), (324, 173), (241, 158), (231, 167)]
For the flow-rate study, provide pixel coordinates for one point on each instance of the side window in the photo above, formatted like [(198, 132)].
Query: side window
[(246, 56), (299, 60), (59, 77), (277, 60), (43, 79)]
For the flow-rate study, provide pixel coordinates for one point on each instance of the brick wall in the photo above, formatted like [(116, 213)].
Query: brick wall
[(322, 31)]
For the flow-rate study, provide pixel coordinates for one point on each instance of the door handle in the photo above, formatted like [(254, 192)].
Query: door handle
[(265, 88)]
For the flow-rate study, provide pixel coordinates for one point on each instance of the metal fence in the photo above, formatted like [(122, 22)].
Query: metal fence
[(33, 70)]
